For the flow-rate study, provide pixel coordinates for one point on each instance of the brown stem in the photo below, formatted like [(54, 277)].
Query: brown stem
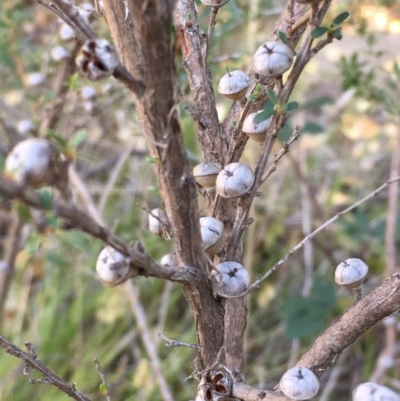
[(30, 360), (344, 331), (83, 221)]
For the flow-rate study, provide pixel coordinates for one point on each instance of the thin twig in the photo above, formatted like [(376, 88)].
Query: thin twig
[(285, 149), (175, 343), (106, 392), (212, 23), (312, 235), (142, 325), (49, 376)]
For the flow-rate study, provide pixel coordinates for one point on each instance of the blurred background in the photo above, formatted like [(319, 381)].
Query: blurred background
[(349, 115)]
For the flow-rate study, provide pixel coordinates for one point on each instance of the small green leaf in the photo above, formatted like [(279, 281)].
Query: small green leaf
[(234, 124), (73, 82), (56, 259), (292, 106), (319, 31), (272, 96), (312, 128), (53, 221), (284, 39), (152, 160), (336, 33), (340, 18), (251, 97), (46, 199), (2, 163), (62, 143), (78, 138), (103, 388), (32, 244), (22, 210), (264, 115), (154, 189)]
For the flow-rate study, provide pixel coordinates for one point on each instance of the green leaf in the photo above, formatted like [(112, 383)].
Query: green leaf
[(285, 133), (73, 82), (103, 388), (319, 31), (32, 244), (62, 143), (78, 138), (312, 128), (284, 39), (56, 259), (336, 33), (340, 18), (324, 293), (53, 221), (303, 317), (316, 104), (272, 96), (46, 199), (152, 160), (76, 239), (234, 124), (292, 106), (2, 163), (22, 210), (264, 115)]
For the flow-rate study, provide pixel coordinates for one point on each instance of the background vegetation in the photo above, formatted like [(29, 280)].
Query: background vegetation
[(349, 115)]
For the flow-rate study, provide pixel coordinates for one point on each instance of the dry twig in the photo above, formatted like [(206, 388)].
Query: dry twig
[(49, 377)]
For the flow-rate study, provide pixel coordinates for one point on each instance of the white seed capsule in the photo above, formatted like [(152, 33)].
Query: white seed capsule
[(158, 221), (59, 53), (205, 175), (374, 392), (112, 266), (34, 79), (272, 59), (66, 33), (234, 180), (211, 233), (255, 131), (169, 260), (88, 92), (299, 383), (25, 126), (29, 162), (234, 85), (230, 278), (98, 59), (351, 273)]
